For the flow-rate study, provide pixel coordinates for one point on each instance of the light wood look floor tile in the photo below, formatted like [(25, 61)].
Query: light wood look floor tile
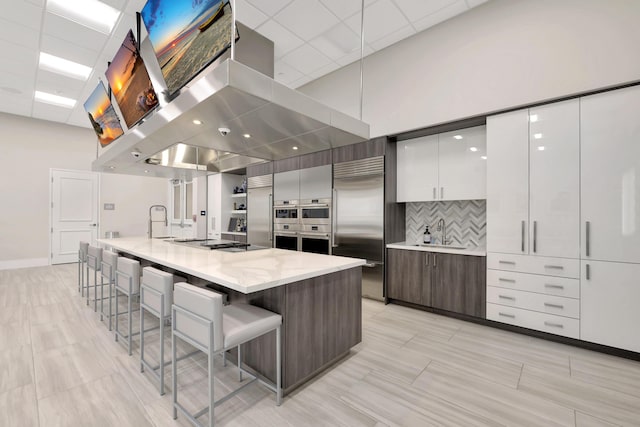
[(18, 407), (16, 368), (14, 314), (584, 420), (14, 335), (13, 294), (49, 336)]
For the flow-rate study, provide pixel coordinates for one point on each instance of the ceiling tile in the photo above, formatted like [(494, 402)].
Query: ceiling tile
[(440, 16), (301, 82), (306, 59), (354, 56), (15, 105), (474, 3), (306, 19), (116, 4), (39, 3), (19, 34), (249, 15), (344, 9), (417, 9), (78, 116), (324, 70), (285, 73), (23, 13), (59, 85), (134, 6), (270, 7), (50, 112), (394, 37), (337, 42), (18, 58), (380, 20), (70, 51), (14, 80), (284, 40), (75, 33)]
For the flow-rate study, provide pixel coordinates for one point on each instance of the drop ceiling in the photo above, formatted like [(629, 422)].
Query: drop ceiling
[(312, 38)]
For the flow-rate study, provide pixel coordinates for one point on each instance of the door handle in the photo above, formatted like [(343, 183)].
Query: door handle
[(334, 219), (535, 236), (93, 225), (270, 225), (587, 232), (434, 193), (441, 192), (522, 236), (588, 271)]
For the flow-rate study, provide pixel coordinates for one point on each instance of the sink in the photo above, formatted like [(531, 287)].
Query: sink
[(442, 246)]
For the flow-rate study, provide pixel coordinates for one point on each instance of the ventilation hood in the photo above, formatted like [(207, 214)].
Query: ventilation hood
[(267, 121)]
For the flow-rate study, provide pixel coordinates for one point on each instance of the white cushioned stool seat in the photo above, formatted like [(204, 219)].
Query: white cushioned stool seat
[(161, 282), (130, 268), (108, 272), (204, 303), (242, 322)]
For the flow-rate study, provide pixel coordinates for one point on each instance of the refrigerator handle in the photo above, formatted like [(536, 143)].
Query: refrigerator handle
[(270, 224), (334, 216)]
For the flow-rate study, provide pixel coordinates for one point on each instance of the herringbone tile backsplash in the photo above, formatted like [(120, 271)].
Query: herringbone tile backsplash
[(466, 221)]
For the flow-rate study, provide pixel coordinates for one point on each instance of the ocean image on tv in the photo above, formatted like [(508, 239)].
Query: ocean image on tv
[(130, 83), (187, 35), (103, 116)]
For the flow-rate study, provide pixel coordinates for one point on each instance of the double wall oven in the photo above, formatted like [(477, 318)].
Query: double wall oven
[(303, 225)]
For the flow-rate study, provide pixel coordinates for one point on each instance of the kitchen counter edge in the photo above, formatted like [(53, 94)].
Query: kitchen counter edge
[(409, 247)]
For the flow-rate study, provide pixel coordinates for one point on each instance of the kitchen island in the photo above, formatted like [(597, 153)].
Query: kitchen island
[(318, 296)]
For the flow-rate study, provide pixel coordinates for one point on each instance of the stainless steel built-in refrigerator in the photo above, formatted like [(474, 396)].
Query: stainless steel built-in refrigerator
[(358, 220), (259, 210)]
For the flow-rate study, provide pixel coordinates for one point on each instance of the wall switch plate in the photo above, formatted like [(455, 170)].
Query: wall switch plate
[(203, 213), (109, 206)]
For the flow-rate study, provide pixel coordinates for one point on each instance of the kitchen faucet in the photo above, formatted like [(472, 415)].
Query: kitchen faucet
[(151, 221), (442, 226)]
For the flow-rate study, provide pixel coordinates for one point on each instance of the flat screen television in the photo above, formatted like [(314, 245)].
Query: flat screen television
[(187, 35), (103, 116), (130, 83)]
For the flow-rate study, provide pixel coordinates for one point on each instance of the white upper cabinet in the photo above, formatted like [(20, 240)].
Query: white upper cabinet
[(554, 179), (462, 168), (610, 175), (508, 182), (417, 164), (448, 166)]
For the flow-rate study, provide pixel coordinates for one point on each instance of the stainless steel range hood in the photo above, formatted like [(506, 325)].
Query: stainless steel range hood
[(267, 120)]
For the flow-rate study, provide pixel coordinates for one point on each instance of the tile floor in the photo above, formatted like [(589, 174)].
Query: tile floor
[(59, 366)]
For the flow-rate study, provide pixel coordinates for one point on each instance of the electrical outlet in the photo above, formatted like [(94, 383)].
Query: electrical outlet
[(109, 206)]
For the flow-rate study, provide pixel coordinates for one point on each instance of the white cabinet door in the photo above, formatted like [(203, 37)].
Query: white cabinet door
[(554, 180), (463, 164), (508, 182), (286, 186), (214, 208), (609, 312), (315, 183), (417, 165), (610, 175)]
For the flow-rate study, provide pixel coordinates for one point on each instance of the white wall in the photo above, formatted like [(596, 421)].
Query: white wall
[(29, 148), (502, 54)]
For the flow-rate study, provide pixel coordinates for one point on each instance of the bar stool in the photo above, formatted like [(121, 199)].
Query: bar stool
[(108, 270), (127, 283), (199, 318), (156, 297), (94, 262), (82, 260)]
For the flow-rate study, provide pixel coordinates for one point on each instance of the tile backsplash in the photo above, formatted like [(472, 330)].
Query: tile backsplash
[(466, 221)]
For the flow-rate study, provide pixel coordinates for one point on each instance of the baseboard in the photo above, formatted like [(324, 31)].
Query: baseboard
[(23, 263)]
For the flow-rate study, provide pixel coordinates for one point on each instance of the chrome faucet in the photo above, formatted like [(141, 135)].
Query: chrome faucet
[(151, 221), (442, 226)]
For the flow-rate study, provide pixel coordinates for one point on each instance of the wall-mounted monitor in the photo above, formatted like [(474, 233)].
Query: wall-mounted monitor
[(103, 116), (187, 35), (130, 83)]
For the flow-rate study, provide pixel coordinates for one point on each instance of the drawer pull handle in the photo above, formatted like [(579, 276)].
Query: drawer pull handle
[(502, 279), (511, 316), (554, 325), (506, 297), (507, 262), (559, 267), (548, 304), (549, 285)]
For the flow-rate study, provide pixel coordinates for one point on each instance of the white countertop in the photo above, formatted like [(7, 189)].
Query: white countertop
[(474, 251), (244, 272)]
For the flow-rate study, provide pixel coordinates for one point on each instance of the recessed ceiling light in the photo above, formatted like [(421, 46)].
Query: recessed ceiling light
[(246, 135), (63, 66), (541, 148), (457, 136), (483, 157), (112, 167), (58, 101), (474, 149), (90, 13), (146, 171), (197, 122), (294, 148), (537, 135), (533, 118), (226, 152)]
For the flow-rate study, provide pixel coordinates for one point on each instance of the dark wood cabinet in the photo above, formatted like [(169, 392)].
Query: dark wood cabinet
[(362, 150), (450, 282)]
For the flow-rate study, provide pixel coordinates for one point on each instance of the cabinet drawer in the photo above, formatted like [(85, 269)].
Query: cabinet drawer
[(550, 304), (550, 323), (560, 267), (548, 285)]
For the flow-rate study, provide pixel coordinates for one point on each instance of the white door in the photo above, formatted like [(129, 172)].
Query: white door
[(610, 175), (417, 165), (554, 180), (609, 298), (74, 213), (462, 164), (508, 182)]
